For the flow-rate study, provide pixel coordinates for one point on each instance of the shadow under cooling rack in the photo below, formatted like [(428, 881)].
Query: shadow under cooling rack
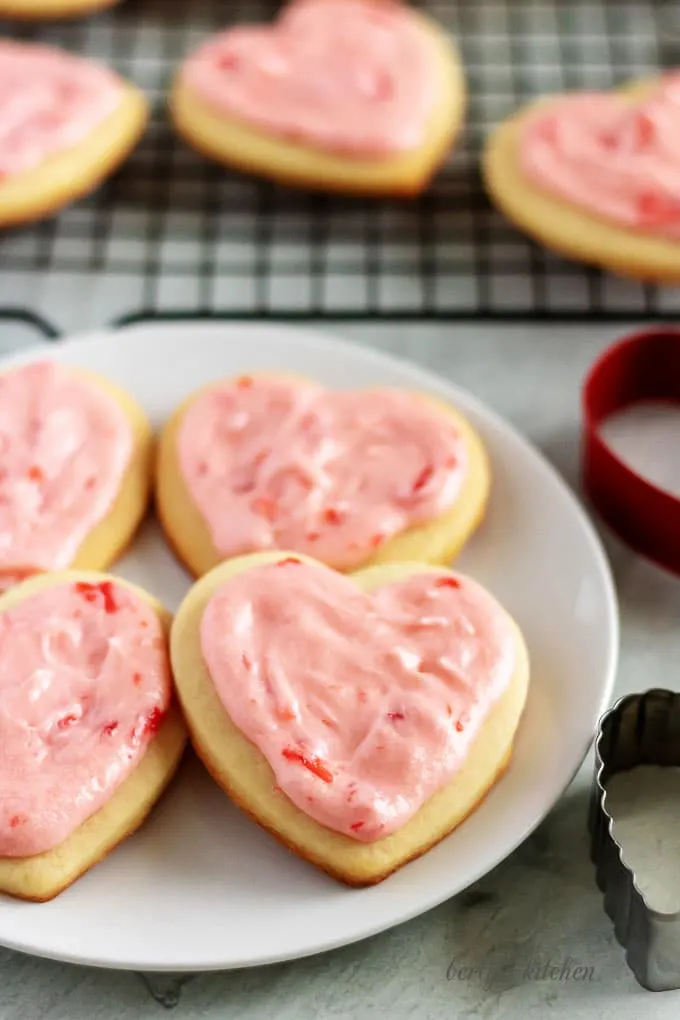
[(172, 231)]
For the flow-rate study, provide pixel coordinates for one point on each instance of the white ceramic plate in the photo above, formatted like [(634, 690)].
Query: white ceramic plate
[(200, 886)]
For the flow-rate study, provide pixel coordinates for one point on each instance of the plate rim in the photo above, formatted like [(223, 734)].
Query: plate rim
[(428, 379)]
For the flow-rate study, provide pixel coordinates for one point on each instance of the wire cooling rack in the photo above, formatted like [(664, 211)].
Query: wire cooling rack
[(171, 231)]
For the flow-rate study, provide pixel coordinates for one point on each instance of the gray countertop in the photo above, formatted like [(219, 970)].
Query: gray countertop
[(531, 938)]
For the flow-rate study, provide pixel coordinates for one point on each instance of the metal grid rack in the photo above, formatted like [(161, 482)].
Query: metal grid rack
[(172, 231)]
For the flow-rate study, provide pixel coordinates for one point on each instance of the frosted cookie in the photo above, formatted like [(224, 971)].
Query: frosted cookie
[(363, 96), (49, 10), (66, 124), (89, 732), (596, 177), (358, 719), (75, 470), (350, 477)]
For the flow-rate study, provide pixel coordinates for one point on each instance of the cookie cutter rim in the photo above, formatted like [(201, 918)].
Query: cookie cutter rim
[(643, 931), (632, 369)]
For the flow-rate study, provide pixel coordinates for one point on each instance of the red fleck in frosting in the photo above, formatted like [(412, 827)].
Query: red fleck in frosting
[(615, 159), (333, 474), (64, 448), (354, 77), (49, 101), (363, 705), (84, 685)]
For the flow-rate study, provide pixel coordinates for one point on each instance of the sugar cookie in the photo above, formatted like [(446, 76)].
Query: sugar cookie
[(596, 177), (363, 96), (75, 471), (90, 734), (51, 10), (349, 477), (358, 719), (67, 124)]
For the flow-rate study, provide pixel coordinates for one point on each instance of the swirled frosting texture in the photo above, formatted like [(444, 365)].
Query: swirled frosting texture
[(364, 705), (615, 158), (356, 77), (49, 101), (84, 684), (275, 464), (64, 447)]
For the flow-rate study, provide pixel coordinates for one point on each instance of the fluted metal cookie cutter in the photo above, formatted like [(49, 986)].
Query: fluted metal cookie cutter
[(640, 729)]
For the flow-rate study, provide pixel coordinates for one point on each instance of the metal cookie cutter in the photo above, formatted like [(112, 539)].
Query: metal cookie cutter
[(641, 729)]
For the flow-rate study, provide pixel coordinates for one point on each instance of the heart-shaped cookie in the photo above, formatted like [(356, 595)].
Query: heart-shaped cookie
[(346, 95), (350, 477), (90, 733), (67, 122), (359, 719), (75, 472), (51, 10), (596, 176)]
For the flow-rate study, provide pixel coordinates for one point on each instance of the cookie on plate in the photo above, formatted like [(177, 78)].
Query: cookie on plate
[(358, 96), (358, 719), (67, 123), (350, 477), (594, 176), (75, 470), (90, 732)]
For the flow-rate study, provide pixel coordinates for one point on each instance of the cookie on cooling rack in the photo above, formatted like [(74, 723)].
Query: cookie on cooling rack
[(351, 477), (51, 10), (86, 755), (358, 96), (75, 470), (596, 176), (67, 124)]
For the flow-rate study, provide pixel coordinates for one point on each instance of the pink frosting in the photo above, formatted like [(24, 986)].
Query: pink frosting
[(615, 159), (64, 448), (49, 101), (275, 464), (363, 705), (84, 683), (356, 77)]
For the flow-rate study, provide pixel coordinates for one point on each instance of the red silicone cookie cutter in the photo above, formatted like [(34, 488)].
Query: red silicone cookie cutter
[(641, 367)]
